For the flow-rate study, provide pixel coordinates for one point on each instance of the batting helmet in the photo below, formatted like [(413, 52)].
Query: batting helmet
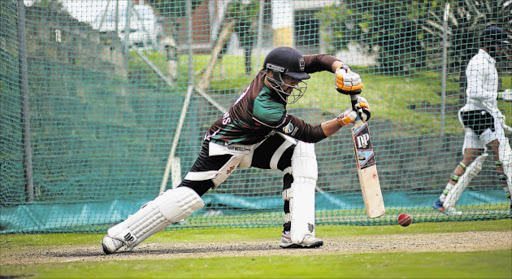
[(494, 35), (288, 61)]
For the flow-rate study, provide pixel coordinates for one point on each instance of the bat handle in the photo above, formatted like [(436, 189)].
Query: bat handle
[(353, 100)]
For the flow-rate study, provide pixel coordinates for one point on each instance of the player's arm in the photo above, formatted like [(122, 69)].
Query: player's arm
[(320, 62), (298, 129), (347, 81), (348, 116)]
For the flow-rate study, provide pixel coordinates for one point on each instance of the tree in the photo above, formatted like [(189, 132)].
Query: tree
[(172, 10), (408, 34), (381, 26), (465, 22), (245, 16)]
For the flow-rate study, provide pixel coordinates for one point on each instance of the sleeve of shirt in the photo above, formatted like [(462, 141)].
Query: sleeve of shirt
[(317, 63), (477, 74), (298, 129)]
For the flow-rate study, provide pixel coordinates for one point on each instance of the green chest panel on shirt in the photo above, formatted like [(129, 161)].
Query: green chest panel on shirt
[(267, 109)]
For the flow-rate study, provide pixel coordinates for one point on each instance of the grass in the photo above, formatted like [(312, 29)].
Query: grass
[(298, 264), (412, 101), (385, 265), (206, 235)]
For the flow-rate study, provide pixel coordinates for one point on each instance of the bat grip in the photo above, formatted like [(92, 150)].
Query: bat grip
[(353, 100)]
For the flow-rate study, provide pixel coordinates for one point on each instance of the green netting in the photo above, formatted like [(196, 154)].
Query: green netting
[(87, 141)]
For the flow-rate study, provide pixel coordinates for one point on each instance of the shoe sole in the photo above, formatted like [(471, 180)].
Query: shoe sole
[(298, 246), (442, 210), (105, 249)]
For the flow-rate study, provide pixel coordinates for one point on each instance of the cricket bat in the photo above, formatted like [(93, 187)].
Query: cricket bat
[(367, 168)]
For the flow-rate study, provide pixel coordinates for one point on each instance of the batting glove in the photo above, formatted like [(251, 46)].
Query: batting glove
[(363, 108), (348, 82), (505, 95), (346, 117), (501, 119)]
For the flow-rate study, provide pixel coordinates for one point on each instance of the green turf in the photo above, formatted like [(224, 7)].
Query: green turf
[(495, 264), (481, 264), (17, 241)]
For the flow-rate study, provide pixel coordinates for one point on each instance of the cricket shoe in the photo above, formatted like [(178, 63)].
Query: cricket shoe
[(309, 241), (110, 245), (450, 211), (438, 205)]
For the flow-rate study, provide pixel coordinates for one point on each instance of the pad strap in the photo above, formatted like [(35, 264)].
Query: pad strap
[(455, 177), (502, 178), (287, 194), (463, 165)]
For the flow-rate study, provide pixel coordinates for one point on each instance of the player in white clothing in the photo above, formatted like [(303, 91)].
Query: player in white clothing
[(483, 122)]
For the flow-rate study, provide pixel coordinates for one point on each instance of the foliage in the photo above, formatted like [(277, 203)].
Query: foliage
[(388, 28), (465, 22), (238, 9), (172, 8), (408, 34), (48, 3), (246, 16)]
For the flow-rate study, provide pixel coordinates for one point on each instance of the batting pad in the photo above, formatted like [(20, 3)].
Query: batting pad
[(471, 171), (170, 207), (505, 156), (302, 201)]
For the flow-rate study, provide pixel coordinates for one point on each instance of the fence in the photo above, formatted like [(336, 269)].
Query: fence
[(105, 103)]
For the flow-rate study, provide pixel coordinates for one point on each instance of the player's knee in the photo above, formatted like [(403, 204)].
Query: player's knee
[(178, 203), (304, 164), (200, 187)]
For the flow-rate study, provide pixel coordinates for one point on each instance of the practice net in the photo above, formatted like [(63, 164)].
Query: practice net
[(106, 102)]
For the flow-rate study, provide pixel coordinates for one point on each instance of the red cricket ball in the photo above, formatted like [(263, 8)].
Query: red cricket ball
[(404, 219)]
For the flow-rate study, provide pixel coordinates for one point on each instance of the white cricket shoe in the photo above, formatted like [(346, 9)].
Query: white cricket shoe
[(309, 241), (451, 211), (110, 245)]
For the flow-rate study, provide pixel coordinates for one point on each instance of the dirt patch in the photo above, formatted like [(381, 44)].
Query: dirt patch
[(448, 242)]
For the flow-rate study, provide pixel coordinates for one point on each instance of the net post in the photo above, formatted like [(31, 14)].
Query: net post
[(443, 90), (24, 90)]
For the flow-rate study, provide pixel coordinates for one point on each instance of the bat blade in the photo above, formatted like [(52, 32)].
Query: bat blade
[(367, 170)]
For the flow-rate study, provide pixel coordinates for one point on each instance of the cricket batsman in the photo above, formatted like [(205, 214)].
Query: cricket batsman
[(256, 131), (483, 122)]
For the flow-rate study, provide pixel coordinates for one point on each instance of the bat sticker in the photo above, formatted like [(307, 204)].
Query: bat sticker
[(364, 148)]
